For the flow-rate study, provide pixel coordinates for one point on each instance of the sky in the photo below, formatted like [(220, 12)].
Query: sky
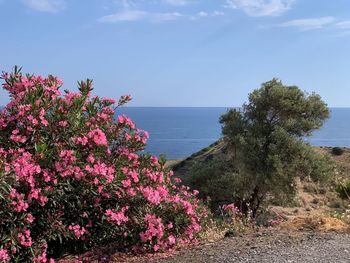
[(206, 53)]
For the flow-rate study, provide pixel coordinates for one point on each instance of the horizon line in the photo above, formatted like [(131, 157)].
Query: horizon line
[(330, 107)]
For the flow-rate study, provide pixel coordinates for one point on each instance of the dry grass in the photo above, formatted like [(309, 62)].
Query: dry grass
[(313, 200), (171, 163), (320, 223), (213, 231)]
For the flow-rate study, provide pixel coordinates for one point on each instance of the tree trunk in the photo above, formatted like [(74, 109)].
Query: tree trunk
[(255, 201)]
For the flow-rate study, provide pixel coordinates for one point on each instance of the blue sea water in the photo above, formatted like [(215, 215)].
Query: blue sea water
[(179, 132), (336, 130)]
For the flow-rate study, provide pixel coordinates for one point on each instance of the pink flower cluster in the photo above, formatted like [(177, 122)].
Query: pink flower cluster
[(156, 231), (25, 239), (98, 137), (77, 230), (231, 208), (124, 120), (231, 213), (4, 256), (73, 169), (155, 228), (118, 217), (124, 99)]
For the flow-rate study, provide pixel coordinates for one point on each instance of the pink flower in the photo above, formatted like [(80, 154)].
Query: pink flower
[(17, 138), (29, 218), (4, 256), (77, 230), (117, 217), (98, 137), (126, 183), (154, 160), (108, 100), (18, 202), (131, 192), (172, 240), (275, 222), (231, 208), (43, 257), (63, 123), (151, 195), (155, 228), (42, 118), (90, 158), (81, 140), (25, 239), (132, 174), (124, 99), (122, 119), (32, 120), (102, 169)]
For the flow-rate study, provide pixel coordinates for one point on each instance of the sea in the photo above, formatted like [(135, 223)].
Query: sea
[(180, 132)]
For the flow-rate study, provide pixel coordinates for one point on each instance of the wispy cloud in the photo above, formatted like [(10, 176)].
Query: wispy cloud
[(343, 24), (203, 14), (218, 13), (176, 2), (51, 6), (310, 23), (139, 15), (137, 10), (261, 7), (133, 3)]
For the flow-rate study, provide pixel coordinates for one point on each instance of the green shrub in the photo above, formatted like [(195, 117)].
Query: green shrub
[(213, 180), (337, 151), (343, 189)]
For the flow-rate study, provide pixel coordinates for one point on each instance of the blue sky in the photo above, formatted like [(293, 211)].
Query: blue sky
[(182, 52)]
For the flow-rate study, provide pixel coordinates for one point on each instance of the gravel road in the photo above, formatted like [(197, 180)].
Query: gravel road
[(269, 247)]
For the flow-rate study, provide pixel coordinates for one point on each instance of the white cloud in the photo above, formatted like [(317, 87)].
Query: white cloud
[(51, 6), (343, 24), (176, 2), (203, 14), (218, 13), (309, 23), (135, 10), (139, 15), (261, 7)]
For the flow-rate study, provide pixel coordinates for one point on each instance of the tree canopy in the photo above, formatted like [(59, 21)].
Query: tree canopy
[(266, 135)]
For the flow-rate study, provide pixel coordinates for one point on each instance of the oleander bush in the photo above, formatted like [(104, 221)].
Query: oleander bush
[(72, 176)]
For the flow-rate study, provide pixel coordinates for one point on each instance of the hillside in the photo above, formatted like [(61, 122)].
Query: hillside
[(312, 199)]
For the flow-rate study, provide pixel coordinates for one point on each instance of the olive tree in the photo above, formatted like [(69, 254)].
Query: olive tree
[(266, 136)]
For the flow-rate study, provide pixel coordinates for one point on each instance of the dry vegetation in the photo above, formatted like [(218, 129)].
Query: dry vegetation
[(315, 207)]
